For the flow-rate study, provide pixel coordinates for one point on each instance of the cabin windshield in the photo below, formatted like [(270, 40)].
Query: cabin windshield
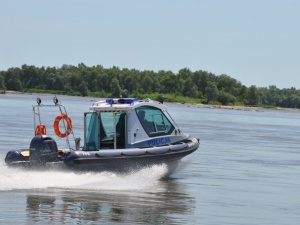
[(154, 121), (105, 130)]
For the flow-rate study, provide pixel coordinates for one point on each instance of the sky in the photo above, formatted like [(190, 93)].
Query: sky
[(256, 42)]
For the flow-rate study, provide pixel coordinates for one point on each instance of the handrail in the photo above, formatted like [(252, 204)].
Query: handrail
[(62, 110)]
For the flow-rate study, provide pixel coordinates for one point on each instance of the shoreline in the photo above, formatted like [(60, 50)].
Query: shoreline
[(209, 106)]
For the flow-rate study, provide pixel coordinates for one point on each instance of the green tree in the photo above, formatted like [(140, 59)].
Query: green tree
[(200, 79), (184, 73), (14, 84), (2, 83), (211, 91), (252, 96), (170, 83), (83, 89), (115, 88), (31, 76), (190, 89), (226, 98), (227, 83), (130, 83), (58, 83), (146, 84)]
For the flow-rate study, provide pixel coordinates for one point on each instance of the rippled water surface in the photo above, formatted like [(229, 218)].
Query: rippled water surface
[(246, 171)]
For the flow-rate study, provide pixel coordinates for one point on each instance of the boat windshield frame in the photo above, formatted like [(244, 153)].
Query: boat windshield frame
[(105, 130)]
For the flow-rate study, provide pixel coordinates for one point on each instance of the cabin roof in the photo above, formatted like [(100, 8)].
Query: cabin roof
[(124, 104)]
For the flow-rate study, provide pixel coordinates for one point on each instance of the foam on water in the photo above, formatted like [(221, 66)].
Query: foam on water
[(20, 179)]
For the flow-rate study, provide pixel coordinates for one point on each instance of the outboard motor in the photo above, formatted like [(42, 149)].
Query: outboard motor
[(43, 149)]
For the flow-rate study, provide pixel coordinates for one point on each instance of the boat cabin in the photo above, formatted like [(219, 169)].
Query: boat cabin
[(127, 123)]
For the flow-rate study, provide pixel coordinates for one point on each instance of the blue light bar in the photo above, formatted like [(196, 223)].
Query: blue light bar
[(121, 100)]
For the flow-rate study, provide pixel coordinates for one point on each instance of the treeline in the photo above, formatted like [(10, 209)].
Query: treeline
[(185, 86)]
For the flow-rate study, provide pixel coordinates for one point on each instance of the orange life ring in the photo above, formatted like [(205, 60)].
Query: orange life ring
[(56, 125), (40, 130)]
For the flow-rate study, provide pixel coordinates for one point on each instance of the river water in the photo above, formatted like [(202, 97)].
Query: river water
[(246, 171)]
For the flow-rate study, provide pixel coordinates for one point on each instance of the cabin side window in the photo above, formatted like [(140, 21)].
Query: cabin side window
[(154, 121), (91, 132)]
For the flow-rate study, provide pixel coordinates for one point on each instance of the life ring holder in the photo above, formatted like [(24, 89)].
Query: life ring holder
[(56, 125)]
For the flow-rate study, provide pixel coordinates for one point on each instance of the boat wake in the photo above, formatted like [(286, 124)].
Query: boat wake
[(20, 179)]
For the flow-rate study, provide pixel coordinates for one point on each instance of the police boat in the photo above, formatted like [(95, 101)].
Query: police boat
[(120, 135)]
